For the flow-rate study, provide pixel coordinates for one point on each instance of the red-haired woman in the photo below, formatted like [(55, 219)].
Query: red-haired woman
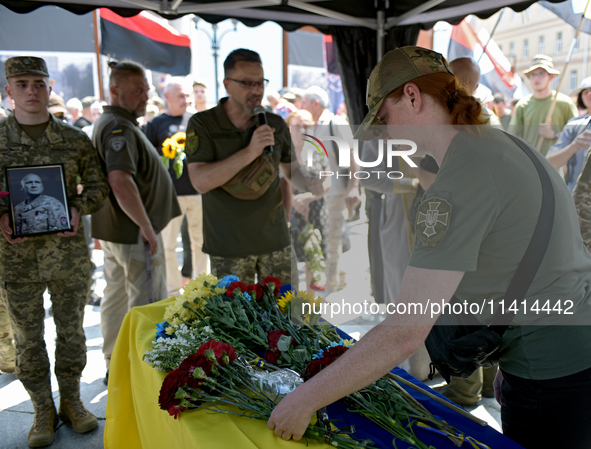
[(472, 230)]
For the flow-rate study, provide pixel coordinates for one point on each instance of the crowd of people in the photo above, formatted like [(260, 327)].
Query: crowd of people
[(247, 199)]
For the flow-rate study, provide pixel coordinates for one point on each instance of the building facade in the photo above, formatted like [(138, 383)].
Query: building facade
[(521, 36)]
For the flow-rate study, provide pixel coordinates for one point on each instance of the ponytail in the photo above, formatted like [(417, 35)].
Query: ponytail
[(445, 89)]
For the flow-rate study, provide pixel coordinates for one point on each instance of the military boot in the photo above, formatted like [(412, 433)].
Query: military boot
[(72, 410), (43, 431)]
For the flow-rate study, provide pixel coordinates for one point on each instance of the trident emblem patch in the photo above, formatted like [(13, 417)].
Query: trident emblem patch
[(433, 218)]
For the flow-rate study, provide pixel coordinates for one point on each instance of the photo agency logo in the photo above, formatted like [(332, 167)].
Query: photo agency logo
[(343, 149)]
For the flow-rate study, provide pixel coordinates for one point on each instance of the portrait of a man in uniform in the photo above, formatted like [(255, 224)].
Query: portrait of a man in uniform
[(39, 212)]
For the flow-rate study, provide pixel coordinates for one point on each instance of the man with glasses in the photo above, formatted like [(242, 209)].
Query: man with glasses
[(243, 237), (529, 118)]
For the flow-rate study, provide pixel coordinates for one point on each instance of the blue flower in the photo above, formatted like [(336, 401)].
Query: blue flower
[(317, 356), (247, 296), (161, 330), (340, 343), (227, 280), (285, 288)]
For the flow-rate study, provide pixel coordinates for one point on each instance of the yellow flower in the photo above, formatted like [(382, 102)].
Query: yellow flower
[(179, 140), (169, 148), (348, 343), (169, 330), (200, 280), (289, 300)]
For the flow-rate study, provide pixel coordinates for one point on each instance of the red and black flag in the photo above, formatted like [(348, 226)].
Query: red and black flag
[(495, 69), (147, 40)]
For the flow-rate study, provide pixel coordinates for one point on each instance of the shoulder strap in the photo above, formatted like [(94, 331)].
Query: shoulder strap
[(534, 254)]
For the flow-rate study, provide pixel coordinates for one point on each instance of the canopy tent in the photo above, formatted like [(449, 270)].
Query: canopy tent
[(362, 30)]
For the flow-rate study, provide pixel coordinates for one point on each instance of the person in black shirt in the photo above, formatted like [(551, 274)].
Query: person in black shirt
[(174, 120)]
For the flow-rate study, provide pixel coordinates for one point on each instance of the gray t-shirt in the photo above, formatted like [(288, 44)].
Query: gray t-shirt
[(478, 216)]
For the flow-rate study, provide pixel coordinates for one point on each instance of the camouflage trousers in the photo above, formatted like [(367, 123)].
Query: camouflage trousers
[(276, 263), (24, 302), (6, 338)]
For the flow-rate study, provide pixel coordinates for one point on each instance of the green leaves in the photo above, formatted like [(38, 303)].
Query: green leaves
[(301, 356), (284, 343)]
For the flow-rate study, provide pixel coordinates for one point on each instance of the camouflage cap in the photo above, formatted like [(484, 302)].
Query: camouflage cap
[(19, 65), (395, 69)]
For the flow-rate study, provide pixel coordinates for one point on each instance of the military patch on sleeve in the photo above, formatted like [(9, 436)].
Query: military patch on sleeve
[(433, 217), (192, 143), (117, 143)]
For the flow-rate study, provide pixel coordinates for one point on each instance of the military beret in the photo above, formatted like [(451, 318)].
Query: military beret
[(19, 65)]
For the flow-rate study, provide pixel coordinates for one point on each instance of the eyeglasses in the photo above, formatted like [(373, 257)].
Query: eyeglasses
[(251, 84), (304, 127), (541, 74)]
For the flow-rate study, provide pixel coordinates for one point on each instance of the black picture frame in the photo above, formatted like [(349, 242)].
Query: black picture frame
[(49, 210)]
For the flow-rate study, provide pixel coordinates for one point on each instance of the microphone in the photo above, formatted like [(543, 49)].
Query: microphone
[(262, 116)]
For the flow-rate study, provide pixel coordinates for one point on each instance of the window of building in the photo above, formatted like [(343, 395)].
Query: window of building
[(526, 13), (511, 52), (573, 80), (542, 9), (541, 45), (501, 48), (576, 43), (525, 49), (555, 82), (558, 43)]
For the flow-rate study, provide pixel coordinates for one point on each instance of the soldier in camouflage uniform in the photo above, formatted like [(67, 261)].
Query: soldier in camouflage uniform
[(38, 213), (58, 262), (582, 199), (6, 344)]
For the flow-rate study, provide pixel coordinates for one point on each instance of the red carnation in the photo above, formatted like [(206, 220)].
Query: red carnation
[(189, 365), (313, 368), (233, 286), (333, 353), (272, 282), (169, 388), (329, 355), (219, 349), (272, 356), (255, 290), (274, 337)]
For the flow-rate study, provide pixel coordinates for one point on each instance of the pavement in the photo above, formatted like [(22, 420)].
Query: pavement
[(16, 409)]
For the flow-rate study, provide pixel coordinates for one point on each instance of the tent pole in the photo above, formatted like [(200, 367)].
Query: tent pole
[(97, 50), (491, 34), (381, 19)]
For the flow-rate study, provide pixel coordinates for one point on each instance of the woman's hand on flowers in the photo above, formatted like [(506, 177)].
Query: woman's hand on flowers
[(291, 417)]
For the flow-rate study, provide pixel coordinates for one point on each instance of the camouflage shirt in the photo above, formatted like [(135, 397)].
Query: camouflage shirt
[(44, 213), (47, 257), (582, 199)]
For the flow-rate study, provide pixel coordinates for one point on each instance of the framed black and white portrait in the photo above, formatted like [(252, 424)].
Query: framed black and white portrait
[(38, 200)]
